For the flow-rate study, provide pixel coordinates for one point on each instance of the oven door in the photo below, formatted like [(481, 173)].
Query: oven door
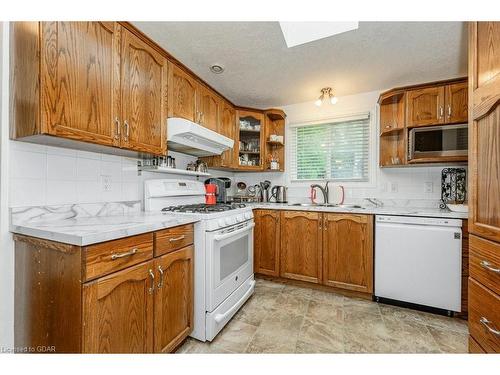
[(438, 142), (229, 261)]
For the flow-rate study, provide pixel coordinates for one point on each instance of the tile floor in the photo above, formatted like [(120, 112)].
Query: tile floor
[(287, 319)]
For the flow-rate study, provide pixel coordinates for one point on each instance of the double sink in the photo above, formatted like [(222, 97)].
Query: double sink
[(326, 205)]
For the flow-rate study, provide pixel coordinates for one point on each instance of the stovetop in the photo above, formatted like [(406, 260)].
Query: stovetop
[(203, 208)]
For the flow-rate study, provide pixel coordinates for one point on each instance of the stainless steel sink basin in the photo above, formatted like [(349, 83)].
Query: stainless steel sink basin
[(326, 205), (305, 204)]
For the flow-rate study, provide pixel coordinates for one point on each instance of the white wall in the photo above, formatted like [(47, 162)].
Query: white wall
[(6, 245), (394, 184)]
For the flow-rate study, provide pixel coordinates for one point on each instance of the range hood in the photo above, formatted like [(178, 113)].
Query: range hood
[(189, 138)]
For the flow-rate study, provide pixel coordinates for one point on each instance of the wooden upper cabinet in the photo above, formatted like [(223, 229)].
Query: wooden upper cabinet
[(456, 103), (484, 129), (348, 252), (228, 129), (208, 106), (425, 106), (144, 96), (118, 312), (173, 318), (267, 242), (80, 80), (301, 259), (182, 94)]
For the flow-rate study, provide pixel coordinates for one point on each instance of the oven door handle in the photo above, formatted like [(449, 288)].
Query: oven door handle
[(220, 237), (220, 317)]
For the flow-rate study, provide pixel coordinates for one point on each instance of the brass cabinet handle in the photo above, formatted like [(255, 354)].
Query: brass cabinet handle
[(488, 266), (485, 322), (160, 283), (118, 130), (123, 255), (441, 111), (177, 238), (152, 275), (127, 130), (449, 111), (325, 223)]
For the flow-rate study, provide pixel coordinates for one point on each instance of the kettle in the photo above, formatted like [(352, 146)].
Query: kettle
[(278, 192)]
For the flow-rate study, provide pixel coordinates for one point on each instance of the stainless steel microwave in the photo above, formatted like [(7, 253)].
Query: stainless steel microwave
[(438, 141)]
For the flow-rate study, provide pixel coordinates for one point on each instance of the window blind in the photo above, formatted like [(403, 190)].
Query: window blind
[(337, 150)]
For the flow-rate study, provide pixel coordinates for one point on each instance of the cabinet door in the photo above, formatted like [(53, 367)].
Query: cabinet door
[(301, 246), (250, 136), (208, 104), (182, 94), (348, 252), (456, 103), (144, 96), (227, 128), (173, 319), (80, 81), (267, 242), (484, 130), (118, 312), (425, 106)]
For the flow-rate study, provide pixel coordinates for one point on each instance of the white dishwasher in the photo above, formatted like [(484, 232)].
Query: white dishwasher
[(419, 260)]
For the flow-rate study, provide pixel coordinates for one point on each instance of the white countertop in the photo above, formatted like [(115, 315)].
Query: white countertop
[(388, 210), (84, 230), (88, 224)]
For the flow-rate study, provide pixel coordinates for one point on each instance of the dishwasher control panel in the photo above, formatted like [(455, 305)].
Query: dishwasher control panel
[(416, 220)]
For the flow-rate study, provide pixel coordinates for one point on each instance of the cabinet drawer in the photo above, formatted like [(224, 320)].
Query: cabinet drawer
[(484, 262), (484, 316), (111, 256), (171, 239)]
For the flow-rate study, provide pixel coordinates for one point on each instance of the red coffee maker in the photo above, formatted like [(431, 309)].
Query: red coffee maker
[(210, 193)]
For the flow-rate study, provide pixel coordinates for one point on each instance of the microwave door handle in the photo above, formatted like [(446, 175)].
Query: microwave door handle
[(220, 237)]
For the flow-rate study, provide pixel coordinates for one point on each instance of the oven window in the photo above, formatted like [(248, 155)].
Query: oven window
[(233, 256), (441, 140)]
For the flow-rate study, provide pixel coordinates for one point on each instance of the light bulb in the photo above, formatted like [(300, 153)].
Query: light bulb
[(318, 102), (333, 99)]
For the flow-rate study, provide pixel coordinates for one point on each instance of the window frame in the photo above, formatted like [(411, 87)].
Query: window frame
[(372, 148)]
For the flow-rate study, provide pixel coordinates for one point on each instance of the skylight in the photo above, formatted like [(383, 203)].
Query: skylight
[(297, 33)]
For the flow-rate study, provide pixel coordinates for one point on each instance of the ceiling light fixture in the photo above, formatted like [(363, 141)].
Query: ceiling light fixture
[(326, 93), (217, 69)]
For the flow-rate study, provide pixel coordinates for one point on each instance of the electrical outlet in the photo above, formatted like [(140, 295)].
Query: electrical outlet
[(106, 182), (394, 187), (428, 187)]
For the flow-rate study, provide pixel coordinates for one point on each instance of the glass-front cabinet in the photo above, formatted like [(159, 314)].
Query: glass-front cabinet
[(250, 140)]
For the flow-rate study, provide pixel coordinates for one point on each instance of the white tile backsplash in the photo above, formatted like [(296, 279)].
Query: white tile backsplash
[(43, 175)]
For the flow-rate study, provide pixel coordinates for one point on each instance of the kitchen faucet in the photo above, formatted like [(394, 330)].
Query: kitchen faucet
[(324, 190)]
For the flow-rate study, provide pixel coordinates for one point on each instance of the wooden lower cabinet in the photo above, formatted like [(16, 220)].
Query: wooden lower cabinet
[(173, 315), (348, 252), (118, 312), (138, 308), (335, 250), (267, 242), (301, 246)]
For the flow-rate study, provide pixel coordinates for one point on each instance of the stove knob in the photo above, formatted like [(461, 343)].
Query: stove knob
[(240, 218), (248, 215), (221, 223), (228, 220)]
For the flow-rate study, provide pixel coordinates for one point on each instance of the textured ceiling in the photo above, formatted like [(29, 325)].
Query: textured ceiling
[(260, 71)]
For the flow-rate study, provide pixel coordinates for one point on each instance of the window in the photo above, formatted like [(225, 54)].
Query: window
[(337, 150)]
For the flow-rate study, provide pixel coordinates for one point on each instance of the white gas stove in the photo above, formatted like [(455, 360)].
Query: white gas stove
[(223, 250)]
